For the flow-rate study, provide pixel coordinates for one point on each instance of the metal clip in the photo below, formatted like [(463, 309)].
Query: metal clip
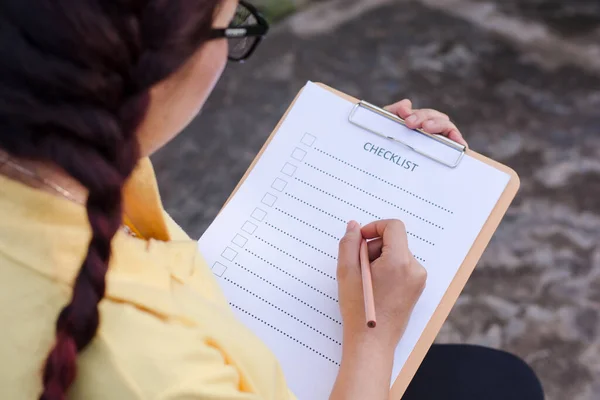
[(461, 149)]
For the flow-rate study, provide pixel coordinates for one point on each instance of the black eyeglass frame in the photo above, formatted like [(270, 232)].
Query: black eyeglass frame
[(239, 32)]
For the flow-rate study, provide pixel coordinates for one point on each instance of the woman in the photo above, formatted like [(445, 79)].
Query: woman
[(103, 295)]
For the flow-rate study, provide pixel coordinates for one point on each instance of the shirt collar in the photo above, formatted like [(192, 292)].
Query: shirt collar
[(51, 234)]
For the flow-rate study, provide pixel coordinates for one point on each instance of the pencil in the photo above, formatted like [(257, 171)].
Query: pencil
[(367, 282)]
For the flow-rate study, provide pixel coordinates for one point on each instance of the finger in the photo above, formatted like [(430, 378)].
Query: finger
[(348, 256), (391, 231), (458, 137), (444, 127), (374, 246), (402, 108), (419, 116)]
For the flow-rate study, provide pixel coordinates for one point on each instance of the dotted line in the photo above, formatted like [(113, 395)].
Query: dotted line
[(341, 220), (420, 259), (285, 312), (337, 198), (290, 275), (372, 195), (278, 308), (420, 238), (284, 334), (301, 241), (316, 208), (307, 224), (383, 180), (295, 258)]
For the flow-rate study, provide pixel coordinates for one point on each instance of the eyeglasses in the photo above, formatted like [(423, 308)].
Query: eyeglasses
[(245, 32)]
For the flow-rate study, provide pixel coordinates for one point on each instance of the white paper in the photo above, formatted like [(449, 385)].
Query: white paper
[(274, 246)]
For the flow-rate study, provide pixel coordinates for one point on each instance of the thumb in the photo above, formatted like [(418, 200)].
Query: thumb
[(348, 256)]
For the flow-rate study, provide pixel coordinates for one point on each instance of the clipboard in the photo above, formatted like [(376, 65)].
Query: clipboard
[(464, 272)]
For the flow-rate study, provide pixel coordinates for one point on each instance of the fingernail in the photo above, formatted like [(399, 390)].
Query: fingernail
[(350, 226), (412, 118)]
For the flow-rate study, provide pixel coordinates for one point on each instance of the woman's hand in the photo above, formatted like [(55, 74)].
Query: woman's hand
[(398, 281), (431, 121)]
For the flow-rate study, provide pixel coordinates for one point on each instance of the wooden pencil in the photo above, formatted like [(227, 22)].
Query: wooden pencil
[(367, 282)]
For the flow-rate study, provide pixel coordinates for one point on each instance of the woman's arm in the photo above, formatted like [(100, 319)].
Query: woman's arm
[(365, 372), (398, 280)]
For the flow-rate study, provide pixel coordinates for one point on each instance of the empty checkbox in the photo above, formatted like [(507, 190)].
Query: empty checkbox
[(239, 240), (269, 199), (279, 184), (298, 154), (249, 227), (219, 269), (229, 254), (289, 169), (259, 214), (308, 139)]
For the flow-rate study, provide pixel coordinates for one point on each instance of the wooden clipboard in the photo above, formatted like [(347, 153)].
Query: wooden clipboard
[(464, 272)]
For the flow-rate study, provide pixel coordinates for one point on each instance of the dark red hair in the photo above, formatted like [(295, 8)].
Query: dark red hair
[(74, 86)]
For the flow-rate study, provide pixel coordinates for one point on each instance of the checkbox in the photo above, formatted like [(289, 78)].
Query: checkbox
[(289, 169), (239, 240), (279, 184), (249, 227), (308, 139), (269, 199), (229, 254), (298, 154), (219, 269), (259, 214)]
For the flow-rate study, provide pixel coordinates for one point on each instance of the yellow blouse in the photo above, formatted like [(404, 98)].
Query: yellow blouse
[(166, 329)]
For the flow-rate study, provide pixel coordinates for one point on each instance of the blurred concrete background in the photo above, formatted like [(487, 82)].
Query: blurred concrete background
[(522, 80)]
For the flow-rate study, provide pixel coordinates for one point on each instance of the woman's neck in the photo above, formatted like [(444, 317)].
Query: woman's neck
[(42, 176)]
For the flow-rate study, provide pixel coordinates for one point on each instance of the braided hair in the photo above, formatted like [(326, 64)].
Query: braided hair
[(75, 77)]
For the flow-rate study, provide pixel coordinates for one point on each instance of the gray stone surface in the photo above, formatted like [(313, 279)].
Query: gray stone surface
[(536, 291), (571, 18)]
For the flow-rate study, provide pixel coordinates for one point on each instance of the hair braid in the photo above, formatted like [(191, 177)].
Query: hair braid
[(78, 321), (74, 86)]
